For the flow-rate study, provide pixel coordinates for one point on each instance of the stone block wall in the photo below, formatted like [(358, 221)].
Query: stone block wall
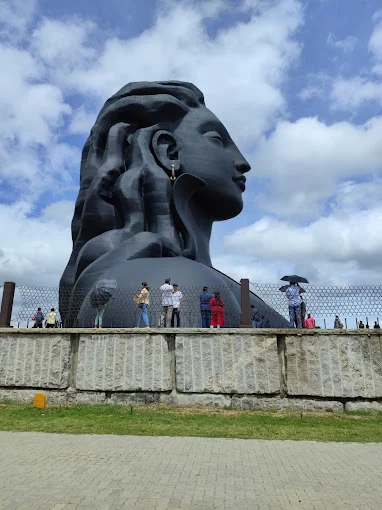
[(345, 366), (114, 362), (40, 361), (227, 363), (240, 369)]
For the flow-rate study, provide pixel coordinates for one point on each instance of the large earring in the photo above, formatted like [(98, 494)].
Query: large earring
[(172, 176)]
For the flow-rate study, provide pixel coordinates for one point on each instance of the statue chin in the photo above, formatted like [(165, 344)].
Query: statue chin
[(222, 206), (191, 276)]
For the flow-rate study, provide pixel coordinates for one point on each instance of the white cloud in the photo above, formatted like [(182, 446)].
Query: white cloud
[(63, 47), (375, 43), (352, 93), (347, 45), (34, 250), (15, 17), (239, 266), (305, 161), (82, 121), (32, 112), (249, 60), (341, 244), (348, 94)]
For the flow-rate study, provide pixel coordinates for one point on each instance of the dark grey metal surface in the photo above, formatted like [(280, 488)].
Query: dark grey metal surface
[(157, 170)]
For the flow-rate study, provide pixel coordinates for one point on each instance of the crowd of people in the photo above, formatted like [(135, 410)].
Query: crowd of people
[(39, 319), (211, 310), (211, 307)]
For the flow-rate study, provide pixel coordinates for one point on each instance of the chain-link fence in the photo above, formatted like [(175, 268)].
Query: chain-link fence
[(121, 310), (352, 304)]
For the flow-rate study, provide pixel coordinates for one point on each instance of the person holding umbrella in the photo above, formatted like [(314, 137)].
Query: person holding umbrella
[(100, 296), (293, 294)]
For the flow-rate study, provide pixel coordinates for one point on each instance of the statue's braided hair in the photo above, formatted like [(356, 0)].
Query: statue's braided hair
[(104, 205)]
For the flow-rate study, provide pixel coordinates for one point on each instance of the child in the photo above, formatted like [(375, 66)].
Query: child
[(51, 319)]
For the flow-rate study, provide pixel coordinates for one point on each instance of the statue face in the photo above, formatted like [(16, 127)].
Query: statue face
[(208, 152)]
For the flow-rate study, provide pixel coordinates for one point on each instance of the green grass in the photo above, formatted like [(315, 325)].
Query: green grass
[(160, 421)]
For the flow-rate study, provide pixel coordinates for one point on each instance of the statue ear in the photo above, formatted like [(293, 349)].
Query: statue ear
[(166, 149)]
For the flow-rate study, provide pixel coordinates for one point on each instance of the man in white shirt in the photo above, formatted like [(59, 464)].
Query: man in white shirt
[(167, 290), (176, 303)]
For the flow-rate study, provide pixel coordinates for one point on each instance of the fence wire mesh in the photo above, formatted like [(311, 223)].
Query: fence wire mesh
[(351, 303), (325, 302), (120, 311)]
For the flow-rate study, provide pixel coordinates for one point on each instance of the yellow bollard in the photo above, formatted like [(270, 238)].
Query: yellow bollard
[(39, 400)]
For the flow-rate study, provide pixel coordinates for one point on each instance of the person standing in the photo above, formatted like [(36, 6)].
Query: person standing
[(376, 325), (294, 301), (99, 315), (337, 323), (217, 311), (51, 319), (253, 312), (303, 310), (205, 308), (167, 290), (177, 297), (38, 318), (361, 325), (309, 323), (143, 301)]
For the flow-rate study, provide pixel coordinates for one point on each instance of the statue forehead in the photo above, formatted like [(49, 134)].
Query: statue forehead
[(200, 119)]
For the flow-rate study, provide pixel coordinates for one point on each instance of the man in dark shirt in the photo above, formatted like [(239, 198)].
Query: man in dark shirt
[(205, 309)]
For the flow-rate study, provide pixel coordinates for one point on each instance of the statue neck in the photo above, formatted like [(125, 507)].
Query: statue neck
[(204, 228), (192, 220)]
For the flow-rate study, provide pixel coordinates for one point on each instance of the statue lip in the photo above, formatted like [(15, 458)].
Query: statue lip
[(240, 180)]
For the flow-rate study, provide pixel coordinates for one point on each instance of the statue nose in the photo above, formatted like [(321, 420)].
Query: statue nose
[(242, 165)]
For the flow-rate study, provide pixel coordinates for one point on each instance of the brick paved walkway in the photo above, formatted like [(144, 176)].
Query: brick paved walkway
[(62, 472)]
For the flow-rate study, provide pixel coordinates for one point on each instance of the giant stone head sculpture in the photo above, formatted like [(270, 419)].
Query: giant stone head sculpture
[(157, 170)]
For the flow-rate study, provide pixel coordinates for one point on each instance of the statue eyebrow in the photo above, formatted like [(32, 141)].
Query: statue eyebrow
[(211, 125)]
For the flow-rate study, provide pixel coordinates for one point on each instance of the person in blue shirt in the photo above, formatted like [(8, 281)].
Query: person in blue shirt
[(254, 319), (205, 308), (294, 300)]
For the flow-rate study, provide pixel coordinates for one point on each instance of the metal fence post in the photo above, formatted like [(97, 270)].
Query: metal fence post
[(7, 304), (245, 311)]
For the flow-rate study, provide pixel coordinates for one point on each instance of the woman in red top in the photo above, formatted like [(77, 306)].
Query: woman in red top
[(217, 311)]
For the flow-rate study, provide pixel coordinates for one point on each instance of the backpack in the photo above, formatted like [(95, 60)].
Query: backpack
[(39, 317)]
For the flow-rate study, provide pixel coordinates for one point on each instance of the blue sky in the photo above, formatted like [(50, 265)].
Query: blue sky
[(297, 84)]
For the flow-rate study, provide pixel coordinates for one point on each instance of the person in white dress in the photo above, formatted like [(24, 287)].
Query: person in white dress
[(177, 297)]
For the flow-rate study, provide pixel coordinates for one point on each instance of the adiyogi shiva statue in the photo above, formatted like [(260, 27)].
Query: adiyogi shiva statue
[(157, 170)]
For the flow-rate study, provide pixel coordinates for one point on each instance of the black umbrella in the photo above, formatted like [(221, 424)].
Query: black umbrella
[(294, 278), (103, 292), (284, 288)]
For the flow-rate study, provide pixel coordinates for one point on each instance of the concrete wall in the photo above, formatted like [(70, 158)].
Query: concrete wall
[(240, 368)]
